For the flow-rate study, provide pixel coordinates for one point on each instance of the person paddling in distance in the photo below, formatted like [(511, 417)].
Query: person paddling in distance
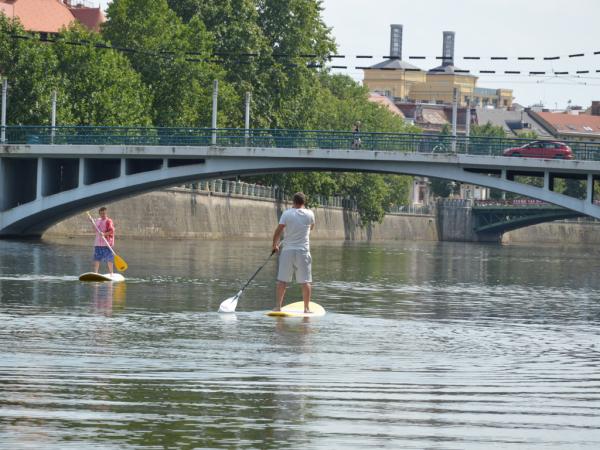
[(294, 256), (106, 228)]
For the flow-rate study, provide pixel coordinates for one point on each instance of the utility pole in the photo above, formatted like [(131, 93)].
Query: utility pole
[(215, 99), (454, 118), (53, 119), (3, 123), (247, 116), (468, 118)]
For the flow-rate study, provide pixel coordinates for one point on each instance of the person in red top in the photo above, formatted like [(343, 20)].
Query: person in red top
[(101, 251)]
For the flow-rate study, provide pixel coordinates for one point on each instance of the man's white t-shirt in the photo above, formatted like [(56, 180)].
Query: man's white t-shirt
[(297, 223)]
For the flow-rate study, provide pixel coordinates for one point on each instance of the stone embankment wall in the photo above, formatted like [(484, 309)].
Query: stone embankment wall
[(179, 213), (559, 232)]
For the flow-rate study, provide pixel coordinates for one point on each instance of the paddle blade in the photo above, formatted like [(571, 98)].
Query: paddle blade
[(229, 305), (120, 264)]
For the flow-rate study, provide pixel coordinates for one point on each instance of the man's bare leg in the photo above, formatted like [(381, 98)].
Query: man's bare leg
[(281, 287), (96, 266), (306, 293), (110, 267)]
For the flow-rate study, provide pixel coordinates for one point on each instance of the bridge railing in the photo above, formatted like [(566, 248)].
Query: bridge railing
[(258, 191), (277, 138)]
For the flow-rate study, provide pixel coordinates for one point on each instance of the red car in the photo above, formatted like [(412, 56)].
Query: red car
[(542, 149)]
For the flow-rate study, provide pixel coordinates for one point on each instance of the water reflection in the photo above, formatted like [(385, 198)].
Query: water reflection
[(107, 297), (425, 345)]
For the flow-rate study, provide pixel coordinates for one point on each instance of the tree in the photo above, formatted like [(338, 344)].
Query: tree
[(342, 102), (441, 188), (31, 70), (180, 85), (527, 134), (98, 86), (94, 86), (487, 130)]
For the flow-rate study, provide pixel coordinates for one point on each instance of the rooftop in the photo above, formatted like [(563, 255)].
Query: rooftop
[(449, 69), (50, 16), (511, 121), (395, 64), (566, 123), (384, 101)]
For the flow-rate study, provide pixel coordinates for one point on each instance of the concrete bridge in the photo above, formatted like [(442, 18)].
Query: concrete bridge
[(48, 174), (477, 221)]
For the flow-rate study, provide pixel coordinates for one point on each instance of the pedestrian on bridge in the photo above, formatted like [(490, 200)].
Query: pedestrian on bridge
[(356, 136), (104, 228), (294, 257)]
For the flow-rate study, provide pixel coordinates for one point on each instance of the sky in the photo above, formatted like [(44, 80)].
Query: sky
[(485, 28)]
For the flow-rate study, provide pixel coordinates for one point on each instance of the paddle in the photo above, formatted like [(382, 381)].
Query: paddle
[(229, 305), (120, 263)]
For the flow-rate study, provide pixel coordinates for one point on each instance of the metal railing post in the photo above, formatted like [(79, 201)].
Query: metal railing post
[(454, 118), (468, 125), (3, 123), (215, 99), (247, 118), (53, 118)]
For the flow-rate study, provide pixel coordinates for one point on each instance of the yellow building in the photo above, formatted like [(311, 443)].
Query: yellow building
[(400, 80), (439, 87), (393, 78), (498, 98)]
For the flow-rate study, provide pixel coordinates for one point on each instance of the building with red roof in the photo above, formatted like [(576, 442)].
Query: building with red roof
[(50, 16), (570, 125), (386, 103)]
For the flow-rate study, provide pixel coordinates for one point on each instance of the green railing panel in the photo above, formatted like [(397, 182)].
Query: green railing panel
[(276, 138)]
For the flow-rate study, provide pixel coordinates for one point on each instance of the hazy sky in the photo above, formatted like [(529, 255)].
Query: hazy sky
[(538, 28)]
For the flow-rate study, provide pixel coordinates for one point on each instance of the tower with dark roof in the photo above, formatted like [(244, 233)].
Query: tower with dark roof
[(393, 77)]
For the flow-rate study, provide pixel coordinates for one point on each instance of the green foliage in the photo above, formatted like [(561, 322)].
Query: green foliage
[(528, 134), (180, 89), (94, 86), (446, 130), (341, 103), (161, 84), (440, 188), (98, 87), (487, 130), (31, 70)]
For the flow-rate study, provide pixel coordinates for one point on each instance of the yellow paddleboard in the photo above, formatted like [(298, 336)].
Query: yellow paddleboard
[(297, 310), (92, 276)]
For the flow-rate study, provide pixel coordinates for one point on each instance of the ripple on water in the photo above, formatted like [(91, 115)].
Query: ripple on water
[(397, 362)]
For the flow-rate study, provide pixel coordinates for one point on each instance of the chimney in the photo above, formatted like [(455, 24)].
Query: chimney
[(396, 41), (448, 49), (596, 108)]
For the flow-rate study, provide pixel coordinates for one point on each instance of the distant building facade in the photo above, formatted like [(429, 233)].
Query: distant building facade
[(403, 81), (571, 125), (50, 16)]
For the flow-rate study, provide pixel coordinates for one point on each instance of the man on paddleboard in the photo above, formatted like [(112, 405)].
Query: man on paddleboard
[(295, 252), (102, 253)]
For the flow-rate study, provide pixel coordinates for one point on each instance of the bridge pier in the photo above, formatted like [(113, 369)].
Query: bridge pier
[(456, 223)]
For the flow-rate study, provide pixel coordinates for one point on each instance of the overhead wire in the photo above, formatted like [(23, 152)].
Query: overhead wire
[(193, 57)]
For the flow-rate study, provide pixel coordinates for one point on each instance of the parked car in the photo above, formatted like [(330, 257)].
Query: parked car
[(541, 149)]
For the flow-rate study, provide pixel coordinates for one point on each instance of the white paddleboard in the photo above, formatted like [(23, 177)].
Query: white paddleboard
[(297, 310), (93, 276)]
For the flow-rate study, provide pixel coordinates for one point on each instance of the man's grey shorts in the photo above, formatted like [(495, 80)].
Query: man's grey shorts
[(298, 261)]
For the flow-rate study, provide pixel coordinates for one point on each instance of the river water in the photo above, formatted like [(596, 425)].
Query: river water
[(425, 346)]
